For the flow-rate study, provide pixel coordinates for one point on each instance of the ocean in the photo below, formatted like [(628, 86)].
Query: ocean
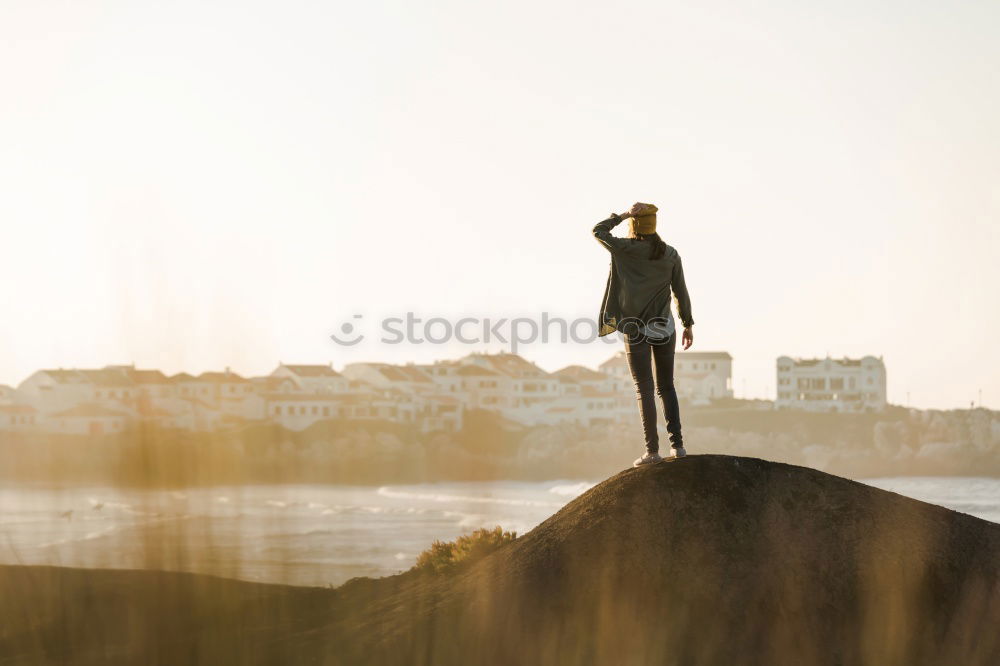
[(313, 534)]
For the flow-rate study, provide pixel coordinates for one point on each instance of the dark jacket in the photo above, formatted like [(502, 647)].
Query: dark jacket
[(638, 287)]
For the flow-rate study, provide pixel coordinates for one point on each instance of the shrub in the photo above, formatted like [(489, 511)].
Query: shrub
[(443, 556)]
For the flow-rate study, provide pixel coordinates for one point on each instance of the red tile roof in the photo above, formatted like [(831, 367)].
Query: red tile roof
[(312, 370), (512, 365), (398, 373), (270, 383), (108, 377), (103, 377), (402, 373), (580, 373), (615, 361), (221, 378), (474, 370), (17, 409), (65, 376), (845, 362), (147, 376), (699, 355)]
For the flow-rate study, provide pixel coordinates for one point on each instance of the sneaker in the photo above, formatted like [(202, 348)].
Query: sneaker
[(647, 459), (678, 452)]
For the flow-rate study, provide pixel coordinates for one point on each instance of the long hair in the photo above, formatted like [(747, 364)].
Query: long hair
[(657, 247)]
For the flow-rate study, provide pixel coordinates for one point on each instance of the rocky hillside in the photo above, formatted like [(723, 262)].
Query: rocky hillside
[(705, 560), (709, 560)]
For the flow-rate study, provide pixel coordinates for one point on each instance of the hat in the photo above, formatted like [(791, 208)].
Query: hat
[(645, 223)]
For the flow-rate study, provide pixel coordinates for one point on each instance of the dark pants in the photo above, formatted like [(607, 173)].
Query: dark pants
[(643, 370)]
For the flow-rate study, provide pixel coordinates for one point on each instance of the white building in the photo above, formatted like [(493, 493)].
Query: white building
[(269, 384), (524, 393), (298, 411), (699, 377), (234, 396), (616, 367), (226, 385), (444, 374), (441, 411), (474, 386), (408, 378), (88, 419), (525, 387), (596, 380), (117, 388), (429, 397), (483, 388), (393, 400), (188, 387), (591, 397), (150, 385), (585, 407), (831, 384), (51, 391), (18, 418), (222, 398), (313, 378), (703, 376)]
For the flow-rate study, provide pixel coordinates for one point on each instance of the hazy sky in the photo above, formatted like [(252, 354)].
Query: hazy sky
[(193, 185)]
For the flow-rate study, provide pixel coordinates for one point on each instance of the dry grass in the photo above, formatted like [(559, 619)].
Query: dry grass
[(466, 549)]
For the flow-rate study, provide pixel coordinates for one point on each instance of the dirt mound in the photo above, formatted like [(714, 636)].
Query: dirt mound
[(704, 560), (707, 560)]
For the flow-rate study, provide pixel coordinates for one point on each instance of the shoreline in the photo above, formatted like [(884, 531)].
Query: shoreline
[(12, 484)]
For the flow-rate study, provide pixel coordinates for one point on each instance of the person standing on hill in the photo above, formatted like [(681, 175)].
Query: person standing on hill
[(644, 272)]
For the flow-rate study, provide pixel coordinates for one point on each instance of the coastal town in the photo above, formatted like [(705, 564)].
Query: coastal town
[(429, 397)]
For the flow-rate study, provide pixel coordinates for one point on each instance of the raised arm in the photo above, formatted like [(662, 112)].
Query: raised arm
[(602, 232)]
